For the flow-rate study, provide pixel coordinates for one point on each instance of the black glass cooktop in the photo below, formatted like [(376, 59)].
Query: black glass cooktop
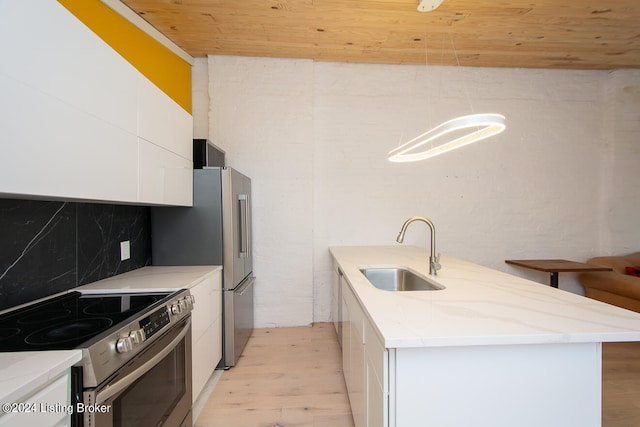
[(67, 321)]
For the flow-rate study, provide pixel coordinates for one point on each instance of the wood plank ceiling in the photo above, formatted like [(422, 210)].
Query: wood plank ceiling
[(565, 34)]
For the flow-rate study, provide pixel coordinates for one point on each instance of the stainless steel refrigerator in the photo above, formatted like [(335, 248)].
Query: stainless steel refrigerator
[(215, 231)]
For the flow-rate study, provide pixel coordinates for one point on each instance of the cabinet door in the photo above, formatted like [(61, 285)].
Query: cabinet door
[(47, 48), (206, 330), (72, 110), (202, 315), (162, 121), (355, 358), (336, 300), (67, 108), (163, 177), (377, 394), (358, 378), (376, 401), (51, 397), (51, 149), (346, 344)]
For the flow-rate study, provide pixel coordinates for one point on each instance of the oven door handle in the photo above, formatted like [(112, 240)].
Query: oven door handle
[(115, 388)]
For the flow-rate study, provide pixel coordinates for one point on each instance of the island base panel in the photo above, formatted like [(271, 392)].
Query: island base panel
[(499, 386)]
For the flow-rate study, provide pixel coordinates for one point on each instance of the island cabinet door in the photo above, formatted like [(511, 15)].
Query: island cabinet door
[(377, 380), (336, 301), (353, 356), (346, 344)]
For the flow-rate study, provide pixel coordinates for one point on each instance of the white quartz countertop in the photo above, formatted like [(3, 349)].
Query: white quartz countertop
[(479, 305), (156, 278), (21, 373)]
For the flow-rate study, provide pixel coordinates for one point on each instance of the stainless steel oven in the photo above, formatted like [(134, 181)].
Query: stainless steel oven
[(153, 389), (136, 353)]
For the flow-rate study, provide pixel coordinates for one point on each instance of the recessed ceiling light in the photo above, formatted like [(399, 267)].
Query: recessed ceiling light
[(428, 5)]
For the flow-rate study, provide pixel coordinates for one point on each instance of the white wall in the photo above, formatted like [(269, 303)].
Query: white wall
[(314, 138), (262, 116)]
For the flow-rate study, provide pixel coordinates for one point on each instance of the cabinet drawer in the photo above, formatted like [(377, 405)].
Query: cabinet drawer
[(202, 314), (377, 355), (377, 413), (356, 317), (202, 362), (48, 406), (208, 305)]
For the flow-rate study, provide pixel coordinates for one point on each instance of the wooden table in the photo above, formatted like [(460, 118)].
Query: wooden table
[(555, 266)]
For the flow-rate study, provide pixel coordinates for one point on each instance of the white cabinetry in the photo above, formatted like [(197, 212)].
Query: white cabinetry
[(354, 358), (165, 178), (162, 121), (76, 119), (377, 379), (336, 302), (45, 406), (165, 148), (364, 363), (206, 330)]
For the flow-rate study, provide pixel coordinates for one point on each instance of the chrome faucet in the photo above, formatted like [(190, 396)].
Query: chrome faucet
[(434, 260)]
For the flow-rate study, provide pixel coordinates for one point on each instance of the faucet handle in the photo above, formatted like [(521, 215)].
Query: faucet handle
[(437, 262)]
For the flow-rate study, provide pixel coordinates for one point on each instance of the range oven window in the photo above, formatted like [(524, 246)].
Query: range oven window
[(151, 399)]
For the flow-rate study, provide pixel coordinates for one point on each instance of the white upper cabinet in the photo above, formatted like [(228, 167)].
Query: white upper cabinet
[(162, 121), (46, 47), (50, 149), (73, 113), (164, 178)]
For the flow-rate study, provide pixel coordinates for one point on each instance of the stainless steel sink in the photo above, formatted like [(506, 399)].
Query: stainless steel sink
[(398, 279)]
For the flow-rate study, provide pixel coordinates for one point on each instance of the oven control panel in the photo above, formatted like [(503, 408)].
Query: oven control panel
[(155, 322)]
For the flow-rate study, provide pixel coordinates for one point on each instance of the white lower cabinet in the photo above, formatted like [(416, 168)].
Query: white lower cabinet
[(336, 301), (46, 406), (346, 345), (377, 381), (355, 374), (364, 363), (206, 330)]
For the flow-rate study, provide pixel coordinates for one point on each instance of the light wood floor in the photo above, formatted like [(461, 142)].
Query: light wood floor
[(291, 377), (621, 384), (286, 377)]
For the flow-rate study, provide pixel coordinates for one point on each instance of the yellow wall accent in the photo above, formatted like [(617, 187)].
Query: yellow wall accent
[(166, 70)]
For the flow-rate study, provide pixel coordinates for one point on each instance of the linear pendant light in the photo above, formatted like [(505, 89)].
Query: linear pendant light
[(482, 126), (447, 136)]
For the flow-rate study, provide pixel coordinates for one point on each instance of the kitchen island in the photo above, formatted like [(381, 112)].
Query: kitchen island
[(490, 349)]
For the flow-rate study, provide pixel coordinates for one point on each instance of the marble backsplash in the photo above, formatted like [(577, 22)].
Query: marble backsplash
[(50, 246)]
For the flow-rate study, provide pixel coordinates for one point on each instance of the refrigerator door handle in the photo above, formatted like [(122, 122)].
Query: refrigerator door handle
[(247, 223), (243, 200), (243, 288)]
